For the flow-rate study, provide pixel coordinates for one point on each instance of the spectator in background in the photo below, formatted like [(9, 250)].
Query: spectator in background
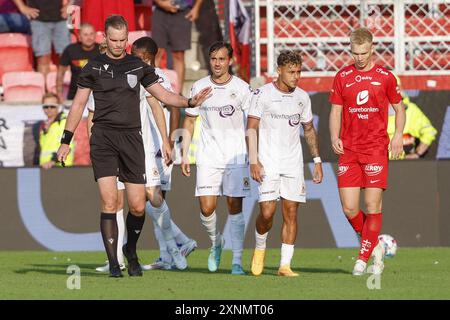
[(50, 132), (171, 29), (11, 20), (208, 28), (418, 134), (76, 55), (95, 12), (48, 26)]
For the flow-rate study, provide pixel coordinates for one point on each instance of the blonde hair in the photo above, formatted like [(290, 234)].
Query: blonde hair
[(50, 95), (361, 36)]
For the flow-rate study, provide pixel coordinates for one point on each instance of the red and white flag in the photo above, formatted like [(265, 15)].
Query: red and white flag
[(240, 30)]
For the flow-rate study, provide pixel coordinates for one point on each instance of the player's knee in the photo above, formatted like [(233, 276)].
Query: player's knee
[(109, 207), (373, 206), (137, 209), (155, 198), (350, 211), (208, 210)]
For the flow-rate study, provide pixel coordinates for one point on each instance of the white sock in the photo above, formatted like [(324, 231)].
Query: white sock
[(237, 229), (287, 251), (120, 235), (161, 217), (210, 224), (261, 240), (179, 236), (163, 253)]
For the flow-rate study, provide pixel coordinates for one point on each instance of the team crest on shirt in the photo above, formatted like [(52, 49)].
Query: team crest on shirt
[(233, 95), (246, 182), (132, 80), (155, 172)]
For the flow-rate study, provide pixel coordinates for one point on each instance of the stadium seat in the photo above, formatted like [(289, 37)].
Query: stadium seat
[(15, 53), (134, 35), (143, 17), (50, 82), (23, 86), (173, 78)]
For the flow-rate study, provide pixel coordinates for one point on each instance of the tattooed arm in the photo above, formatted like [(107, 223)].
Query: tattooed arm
[(312, 139)]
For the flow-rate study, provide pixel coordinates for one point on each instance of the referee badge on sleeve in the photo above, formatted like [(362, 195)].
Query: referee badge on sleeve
[(132, 80)]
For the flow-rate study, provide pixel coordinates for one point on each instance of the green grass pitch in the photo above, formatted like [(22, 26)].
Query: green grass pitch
[(415, 273)]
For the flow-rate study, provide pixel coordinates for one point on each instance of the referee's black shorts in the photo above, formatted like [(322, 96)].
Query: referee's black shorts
[(116, 152)]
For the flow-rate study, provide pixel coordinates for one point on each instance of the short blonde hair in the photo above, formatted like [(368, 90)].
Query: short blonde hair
[(361, 36)]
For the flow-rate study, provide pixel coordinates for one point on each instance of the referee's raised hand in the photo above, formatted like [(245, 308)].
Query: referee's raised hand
[(200, 97)]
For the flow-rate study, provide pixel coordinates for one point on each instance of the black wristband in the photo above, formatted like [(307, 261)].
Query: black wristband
[(190, 105), (66, 137)]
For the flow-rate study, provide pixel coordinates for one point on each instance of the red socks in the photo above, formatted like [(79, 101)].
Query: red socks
[(357, 222), (370, 232)]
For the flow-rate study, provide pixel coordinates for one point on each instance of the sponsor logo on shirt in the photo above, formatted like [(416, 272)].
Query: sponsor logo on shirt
[(379, 70), (373, 169), (375, 83), (362, 97), (348, 85), (346, 73), (293, 119), (360, 78), (225, 111), (342, 170)]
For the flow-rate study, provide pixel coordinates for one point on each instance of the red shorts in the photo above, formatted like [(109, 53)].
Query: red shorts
[(361, 170)]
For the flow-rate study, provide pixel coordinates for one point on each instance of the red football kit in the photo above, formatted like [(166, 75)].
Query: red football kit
[(365, 98)]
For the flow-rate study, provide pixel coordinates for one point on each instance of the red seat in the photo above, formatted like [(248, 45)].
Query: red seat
[(15, 53), (143, 17), (50, 82), (23, 86)]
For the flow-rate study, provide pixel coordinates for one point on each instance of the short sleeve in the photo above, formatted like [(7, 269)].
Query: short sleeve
[(306, 115), (149, 77), (65, 59), (86, 78), (256, 109), (193, 112), (246, 98), (336, 91), (393, 90)]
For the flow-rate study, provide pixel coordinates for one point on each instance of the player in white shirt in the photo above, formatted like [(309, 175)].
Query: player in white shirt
[(277, 110), (222, 165), (174, 244)]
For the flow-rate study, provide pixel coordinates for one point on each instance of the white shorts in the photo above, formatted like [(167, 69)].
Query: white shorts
[(231, 182), (288, 186), (152, 172)]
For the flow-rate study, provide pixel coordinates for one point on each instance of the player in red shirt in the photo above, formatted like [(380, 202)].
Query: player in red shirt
[(360, 98)]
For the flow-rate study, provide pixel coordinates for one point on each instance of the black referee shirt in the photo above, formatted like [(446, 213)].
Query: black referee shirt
[(116, 87)]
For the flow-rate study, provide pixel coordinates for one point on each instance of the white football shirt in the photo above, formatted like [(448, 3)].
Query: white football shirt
[(221, 142), (281, 115)]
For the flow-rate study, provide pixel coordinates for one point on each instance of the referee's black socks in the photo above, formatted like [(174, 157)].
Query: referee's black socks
[(110, 231), (134, 228)]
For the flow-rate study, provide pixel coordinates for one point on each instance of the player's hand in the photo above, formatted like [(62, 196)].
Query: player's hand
[(396, 146), (200, 97), (185, 168), (257, 172), (63, 152), (193, 14), (338, 146), (318, 173), (167, 153), (167, 6), (30, 13)]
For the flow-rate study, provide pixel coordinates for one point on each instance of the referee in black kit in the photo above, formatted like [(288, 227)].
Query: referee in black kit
[(116, 142)]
